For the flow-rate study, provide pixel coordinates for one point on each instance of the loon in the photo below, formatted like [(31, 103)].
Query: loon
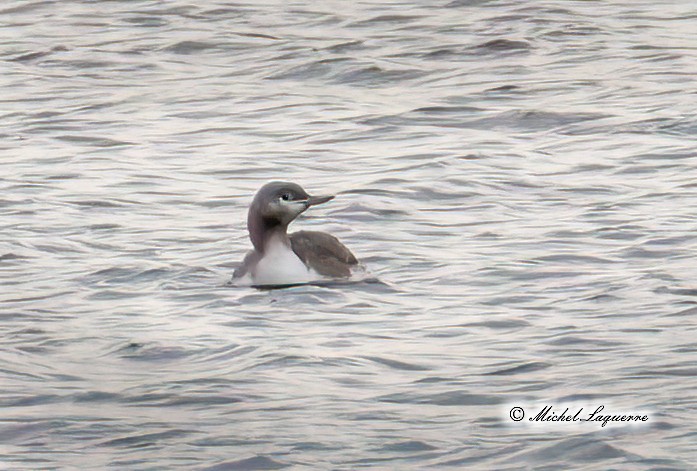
[(279, 258)]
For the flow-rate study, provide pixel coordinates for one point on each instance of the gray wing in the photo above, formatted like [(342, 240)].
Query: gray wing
[(323, 253), (250, 260)]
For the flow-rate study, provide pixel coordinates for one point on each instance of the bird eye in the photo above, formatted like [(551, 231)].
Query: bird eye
[(285, 196)]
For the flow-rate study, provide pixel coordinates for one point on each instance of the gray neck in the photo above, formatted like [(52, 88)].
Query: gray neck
[(261, 230)]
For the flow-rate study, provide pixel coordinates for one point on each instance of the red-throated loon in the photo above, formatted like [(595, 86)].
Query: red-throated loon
[(279, 258)]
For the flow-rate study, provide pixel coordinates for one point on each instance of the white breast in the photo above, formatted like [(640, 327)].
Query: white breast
[(280, 266)]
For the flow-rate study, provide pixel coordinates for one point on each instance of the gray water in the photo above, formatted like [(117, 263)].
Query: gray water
[(521, 178)]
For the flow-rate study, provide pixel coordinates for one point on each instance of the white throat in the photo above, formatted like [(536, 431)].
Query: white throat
[(280, 265)]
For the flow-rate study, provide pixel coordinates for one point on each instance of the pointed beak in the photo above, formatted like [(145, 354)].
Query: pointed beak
[(315, 200)]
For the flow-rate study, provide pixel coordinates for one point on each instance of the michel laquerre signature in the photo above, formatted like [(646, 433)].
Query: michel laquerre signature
[(547, 414)]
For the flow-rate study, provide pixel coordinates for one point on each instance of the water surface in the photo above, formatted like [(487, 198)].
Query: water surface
[(520, 177)]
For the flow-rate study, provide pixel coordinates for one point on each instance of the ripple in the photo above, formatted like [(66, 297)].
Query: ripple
[(253, 463), (498, 45), (398, 365), (451, 398), (144, 439), (519, 369)]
